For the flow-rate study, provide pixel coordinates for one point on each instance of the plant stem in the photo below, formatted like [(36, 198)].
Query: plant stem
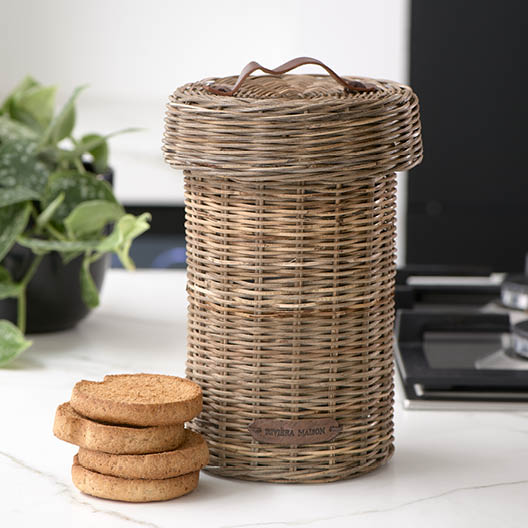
[(56, 233), (21, 310), (31, 271), (21, 307), (34, 212), (34, 215), (93, 258), (79, 166)]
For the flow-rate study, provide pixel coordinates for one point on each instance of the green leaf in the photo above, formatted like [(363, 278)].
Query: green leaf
[(41, 246), (127, 228), (88, 218), (119, 241), (24, 85), (89, 292), (12, 131), (97, 146), (46, 215), (8, 288), (20, 165), (16, 195), (34, 107), (5, 276), (13, 221), (12, 342), (77, 188), (62, 124)]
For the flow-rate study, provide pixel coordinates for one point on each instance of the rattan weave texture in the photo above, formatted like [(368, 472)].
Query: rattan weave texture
[(290, 228)]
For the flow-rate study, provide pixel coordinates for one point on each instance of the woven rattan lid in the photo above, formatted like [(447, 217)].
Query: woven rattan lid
[(296, 121), (287, 87)]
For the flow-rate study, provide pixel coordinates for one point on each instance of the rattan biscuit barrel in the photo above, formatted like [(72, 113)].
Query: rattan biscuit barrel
[(290, 230)]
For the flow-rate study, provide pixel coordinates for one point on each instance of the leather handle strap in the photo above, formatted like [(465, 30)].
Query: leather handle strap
[(349, 85)]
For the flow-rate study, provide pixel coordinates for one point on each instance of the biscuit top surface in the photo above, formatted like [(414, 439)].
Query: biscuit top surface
[(140, 388)]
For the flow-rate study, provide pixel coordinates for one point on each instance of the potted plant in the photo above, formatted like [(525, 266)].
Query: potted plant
[(58, 214)]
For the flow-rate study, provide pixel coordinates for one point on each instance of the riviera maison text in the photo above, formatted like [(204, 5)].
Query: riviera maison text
[(294, 432), (312, 431)]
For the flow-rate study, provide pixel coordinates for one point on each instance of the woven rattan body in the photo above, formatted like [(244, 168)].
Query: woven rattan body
[(290, 229)]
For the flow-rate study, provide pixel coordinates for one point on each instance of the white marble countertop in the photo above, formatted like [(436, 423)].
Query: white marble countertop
[(450, 469)]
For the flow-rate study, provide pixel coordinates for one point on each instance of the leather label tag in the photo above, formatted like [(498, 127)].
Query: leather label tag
[(294, 432)]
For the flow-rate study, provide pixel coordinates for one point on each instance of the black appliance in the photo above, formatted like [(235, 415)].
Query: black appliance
[(468, 200), (462, 340)]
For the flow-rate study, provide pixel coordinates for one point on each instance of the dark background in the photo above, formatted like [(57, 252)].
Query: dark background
[(468, 200), (163, 245)]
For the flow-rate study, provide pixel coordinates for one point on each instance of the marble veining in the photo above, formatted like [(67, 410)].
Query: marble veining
[(67, 490), (308, 522)]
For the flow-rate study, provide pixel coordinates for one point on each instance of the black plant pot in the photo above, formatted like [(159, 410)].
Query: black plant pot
[(54, 299)]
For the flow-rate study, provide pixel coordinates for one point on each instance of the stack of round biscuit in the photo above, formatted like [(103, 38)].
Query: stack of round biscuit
[(130, 430)]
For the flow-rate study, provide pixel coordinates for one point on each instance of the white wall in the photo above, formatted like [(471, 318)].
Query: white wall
[(133, 53)]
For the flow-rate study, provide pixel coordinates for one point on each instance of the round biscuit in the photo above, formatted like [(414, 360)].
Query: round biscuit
[(71, 427), (191, 456), (132, 490), (138, 399)]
